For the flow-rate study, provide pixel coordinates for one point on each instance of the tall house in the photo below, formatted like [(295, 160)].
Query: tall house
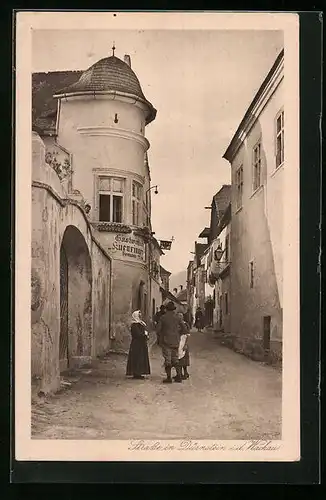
[(191, 286), (99, 124), (218, 259), (256, 156), (165, 278), (200, 274)]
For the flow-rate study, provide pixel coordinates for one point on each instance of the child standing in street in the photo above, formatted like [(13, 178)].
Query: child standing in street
[(183, 351)]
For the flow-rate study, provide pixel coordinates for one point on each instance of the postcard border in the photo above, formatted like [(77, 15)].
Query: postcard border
[(307, 468)]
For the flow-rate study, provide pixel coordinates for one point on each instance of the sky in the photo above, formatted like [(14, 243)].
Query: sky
[(201, 83)]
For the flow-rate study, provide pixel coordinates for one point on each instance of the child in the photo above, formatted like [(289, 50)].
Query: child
[(183, 353)]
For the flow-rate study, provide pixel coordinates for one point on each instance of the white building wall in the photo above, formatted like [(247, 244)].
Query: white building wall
[(274, 183), (86, 127)]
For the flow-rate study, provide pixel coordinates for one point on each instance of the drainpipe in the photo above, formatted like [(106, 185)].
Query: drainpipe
[(111, 337), (150, 279)]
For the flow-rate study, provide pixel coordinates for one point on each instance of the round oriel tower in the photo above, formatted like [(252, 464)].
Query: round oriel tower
[(101, 121)]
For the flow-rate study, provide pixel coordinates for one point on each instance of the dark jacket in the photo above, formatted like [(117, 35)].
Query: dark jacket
[(199, 321), (169, 329)]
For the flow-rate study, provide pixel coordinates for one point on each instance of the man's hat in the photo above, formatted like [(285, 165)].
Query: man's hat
[(170, 306)]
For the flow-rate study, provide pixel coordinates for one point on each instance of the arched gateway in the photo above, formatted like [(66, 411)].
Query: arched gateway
[(75, 344)]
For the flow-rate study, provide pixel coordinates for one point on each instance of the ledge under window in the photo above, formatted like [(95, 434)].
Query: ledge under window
[(277, 169), (238, 209), (260, 188), (112, 227)]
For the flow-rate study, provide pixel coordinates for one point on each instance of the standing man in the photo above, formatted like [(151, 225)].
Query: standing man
[(169, 330)]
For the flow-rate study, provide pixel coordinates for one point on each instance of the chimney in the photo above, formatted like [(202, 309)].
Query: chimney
[(127, 60)]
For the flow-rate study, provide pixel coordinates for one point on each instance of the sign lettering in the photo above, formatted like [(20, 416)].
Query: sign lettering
[(129, 246)]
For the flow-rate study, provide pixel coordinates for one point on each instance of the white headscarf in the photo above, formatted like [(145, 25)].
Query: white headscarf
[(136, 318)]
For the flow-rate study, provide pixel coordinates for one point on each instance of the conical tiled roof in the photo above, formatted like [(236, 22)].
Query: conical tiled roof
[(109, 74)]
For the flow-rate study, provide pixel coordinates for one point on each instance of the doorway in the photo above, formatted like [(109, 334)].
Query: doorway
[(145, 307), (63, 341), (267, 334), (153, 309), (220, 313), (75, 339)]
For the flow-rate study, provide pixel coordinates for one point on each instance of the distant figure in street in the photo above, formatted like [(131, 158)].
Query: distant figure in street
[(183, 351), (169, 330), (187, 317), (138, 360), (199, 319)]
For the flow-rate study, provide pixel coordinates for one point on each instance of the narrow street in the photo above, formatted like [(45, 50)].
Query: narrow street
[(227, 397)]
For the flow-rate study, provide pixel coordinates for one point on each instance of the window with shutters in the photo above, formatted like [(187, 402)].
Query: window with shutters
[(110, 193)]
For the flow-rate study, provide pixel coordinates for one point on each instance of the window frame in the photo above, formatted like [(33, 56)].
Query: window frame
[(256, 185), (277, 134), (138, 202), (251, 274), (111, 193), (239, 197), (226, 250)]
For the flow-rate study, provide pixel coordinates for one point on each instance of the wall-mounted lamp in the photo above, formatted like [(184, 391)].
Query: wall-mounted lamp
[(153, 187), (218, 255)]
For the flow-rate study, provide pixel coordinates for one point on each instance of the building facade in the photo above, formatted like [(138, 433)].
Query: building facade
[(219, 273), (200, 277), (155, 279), (165, 278), (256, 156), (71, 287), (191, 287), (90, 156), (216, 274)]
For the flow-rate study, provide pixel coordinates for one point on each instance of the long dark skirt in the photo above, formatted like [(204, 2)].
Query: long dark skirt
[(138, 360), (185, 361), (199, 323)]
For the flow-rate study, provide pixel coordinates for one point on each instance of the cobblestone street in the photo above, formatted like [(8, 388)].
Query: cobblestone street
[(226, 397)]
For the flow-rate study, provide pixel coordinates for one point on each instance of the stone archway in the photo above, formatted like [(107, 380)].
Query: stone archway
[(75, 344)]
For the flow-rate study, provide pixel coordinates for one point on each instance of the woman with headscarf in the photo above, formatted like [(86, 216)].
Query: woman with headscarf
[(138, 360)]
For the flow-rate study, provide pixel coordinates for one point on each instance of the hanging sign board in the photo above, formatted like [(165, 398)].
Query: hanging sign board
[(165, 245)]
